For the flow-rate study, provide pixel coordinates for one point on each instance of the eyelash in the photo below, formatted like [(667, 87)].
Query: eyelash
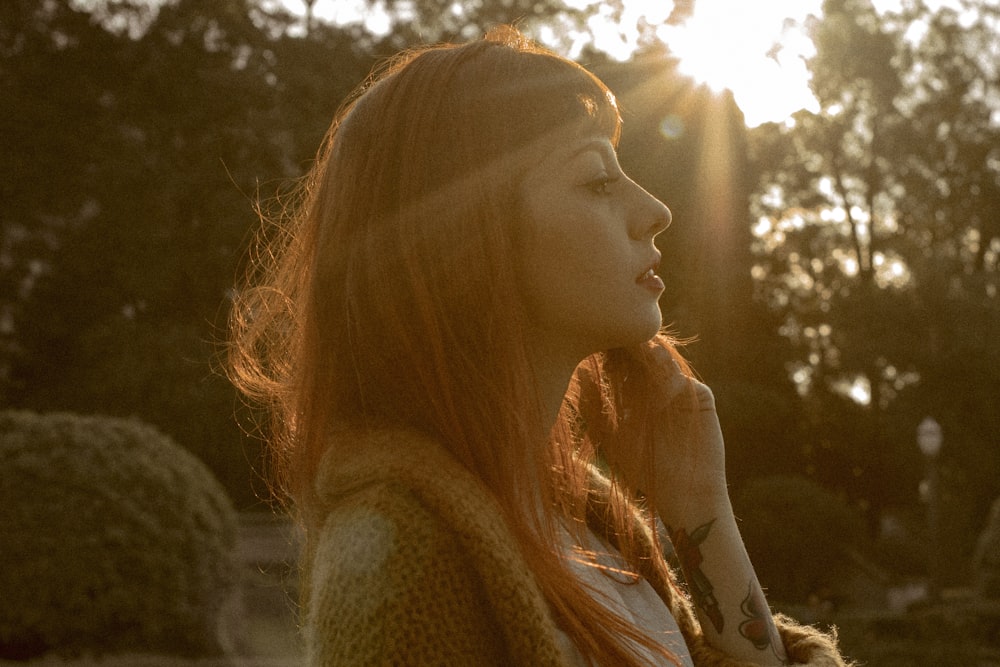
[(599, 186)]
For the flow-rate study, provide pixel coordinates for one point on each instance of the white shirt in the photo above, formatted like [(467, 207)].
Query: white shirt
[(634, 601)]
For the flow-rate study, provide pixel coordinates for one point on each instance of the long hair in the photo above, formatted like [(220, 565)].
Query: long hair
[(389, 296)]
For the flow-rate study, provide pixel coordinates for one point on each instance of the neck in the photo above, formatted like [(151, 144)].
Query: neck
[(552, 375)]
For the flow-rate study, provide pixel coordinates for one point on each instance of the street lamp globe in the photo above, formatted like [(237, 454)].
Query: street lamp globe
[(929, 437)]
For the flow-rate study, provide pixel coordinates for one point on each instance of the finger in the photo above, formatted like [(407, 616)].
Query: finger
[(706, 399)]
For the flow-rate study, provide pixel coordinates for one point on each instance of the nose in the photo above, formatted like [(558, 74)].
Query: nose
[(650, 217)]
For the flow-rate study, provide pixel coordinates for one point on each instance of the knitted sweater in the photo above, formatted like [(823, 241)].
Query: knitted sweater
[(411, 563)]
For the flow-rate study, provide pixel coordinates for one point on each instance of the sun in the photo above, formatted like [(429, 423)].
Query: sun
[(754, 49)]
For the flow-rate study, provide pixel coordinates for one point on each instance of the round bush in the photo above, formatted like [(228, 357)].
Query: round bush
[(986, 559), (802, 539), (114, 539)]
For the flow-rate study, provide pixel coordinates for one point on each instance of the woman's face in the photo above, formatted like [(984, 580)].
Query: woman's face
[(588, 257)]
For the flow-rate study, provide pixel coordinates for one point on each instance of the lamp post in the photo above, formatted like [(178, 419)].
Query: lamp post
[(929, 440)]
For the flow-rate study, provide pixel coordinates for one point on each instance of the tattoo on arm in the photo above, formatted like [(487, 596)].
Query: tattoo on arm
[(759, 627), (688, 549)]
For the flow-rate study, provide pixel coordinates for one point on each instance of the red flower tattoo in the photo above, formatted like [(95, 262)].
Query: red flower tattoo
[(688, 550), (755, 627), (758, 627)]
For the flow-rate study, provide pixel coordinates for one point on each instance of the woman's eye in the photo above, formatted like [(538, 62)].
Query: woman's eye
[(602, 185)]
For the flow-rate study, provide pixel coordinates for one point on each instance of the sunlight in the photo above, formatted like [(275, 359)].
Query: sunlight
[(860, 391), (756, 50), (374, 16), (857, 388), (891, 271), (847, 261)]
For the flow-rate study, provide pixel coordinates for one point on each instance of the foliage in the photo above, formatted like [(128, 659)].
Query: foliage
[(877, 239), (443, 20), (130, 200), (986, 561), (686, 146), (953, 634), (131, 193), (801, 538), (565, 24), (139, 140), (115, 539)]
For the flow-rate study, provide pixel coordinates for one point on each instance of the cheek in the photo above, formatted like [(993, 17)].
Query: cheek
[(566, 255), (563, 280)]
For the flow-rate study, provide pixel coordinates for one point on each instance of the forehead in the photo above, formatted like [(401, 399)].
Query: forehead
[(575, 135)]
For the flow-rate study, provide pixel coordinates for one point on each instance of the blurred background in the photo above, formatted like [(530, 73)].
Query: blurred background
[(833, 169)]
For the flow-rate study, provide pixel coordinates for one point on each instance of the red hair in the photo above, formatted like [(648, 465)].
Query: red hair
[(389, 297)]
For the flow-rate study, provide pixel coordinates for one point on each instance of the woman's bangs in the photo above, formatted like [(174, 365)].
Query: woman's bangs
[(569, 96), (603, 112)]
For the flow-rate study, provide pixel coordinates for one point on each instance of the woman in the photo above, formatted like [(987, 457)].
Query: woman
[(458, 323)]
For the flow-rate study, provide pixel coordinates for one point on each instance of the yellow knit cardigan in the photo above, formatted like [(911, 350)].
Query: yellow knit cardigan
[(408, 562)]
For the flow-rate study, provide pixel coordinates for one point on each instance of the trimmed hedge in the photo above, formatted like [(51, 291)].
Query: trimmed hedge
[(986, 560), (800, 538), (115, 539)]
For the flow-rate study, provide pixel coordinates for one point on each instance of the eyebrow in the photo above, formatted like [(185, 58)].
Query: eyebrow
[(600, 145), (607, 152)]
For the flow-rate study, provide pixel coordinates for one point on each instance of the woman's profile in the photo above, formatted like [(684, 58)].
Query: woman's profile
[(473, 410)]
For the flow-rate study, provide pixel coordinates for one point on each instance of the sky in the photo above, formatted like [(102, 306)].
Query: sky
[(754, 49)]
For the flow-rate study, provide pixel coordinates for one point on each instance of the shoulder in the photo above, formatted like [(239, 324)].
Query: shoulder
[(386, 531), (406, 485), (408, 550), (389, 582), (371, 529)]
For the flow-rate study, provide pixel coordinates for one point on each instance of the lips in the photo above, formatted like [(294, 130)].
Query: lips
[(649, 279), (650, 270)]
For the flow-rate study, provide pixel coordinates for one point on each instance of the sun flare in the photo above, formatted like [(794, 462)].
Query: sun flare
[(754, 49)]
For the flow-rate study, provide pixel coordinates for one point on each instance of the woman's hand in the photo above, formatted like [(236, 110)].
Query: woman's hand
[(669, 442)]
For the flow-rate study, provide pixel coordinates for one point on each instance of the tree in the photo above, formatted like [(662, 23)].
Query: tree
[(428, 21), (687, 146), (133, 195), (57, 66), (138, 154), (878, 240)]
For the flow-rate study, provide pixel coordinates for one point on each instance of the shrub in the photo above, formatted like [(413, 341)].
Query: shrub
[(986, 560), (114, 539), (804, 541)]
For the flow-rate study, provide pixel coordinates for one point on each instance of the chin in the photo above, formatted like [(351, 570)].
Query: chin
[(642, 333), (650, 334), (654, 324)]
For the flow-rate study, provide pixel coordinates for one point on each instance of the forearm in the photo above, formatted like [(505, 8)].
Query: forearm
[(728, 599)]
